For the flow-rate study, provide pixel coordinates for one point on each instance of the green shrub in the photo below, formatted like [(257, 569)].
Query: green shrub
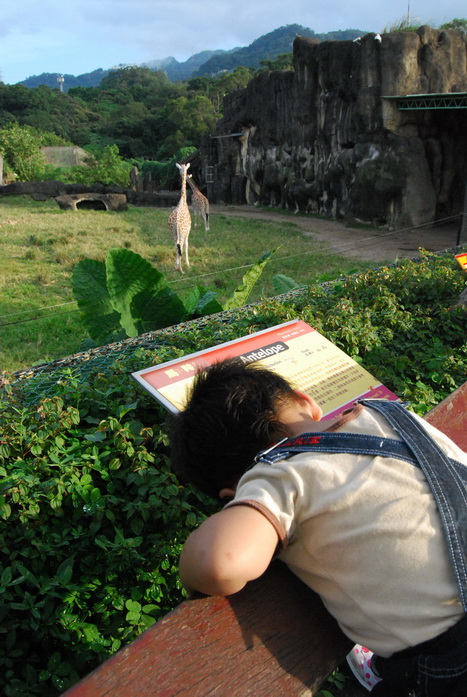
[(93, 522), (21, 148), (459, 23), (103, 166), (406, 23), (93, 519)]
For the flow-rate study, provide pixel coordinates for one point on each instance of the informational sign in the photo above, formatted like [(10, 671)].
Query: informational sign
[(310, 362), (462, 259)]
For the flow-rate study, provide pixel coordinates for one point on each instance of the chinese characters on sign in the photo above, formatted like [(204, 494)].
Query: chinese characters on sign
[(309, 361)]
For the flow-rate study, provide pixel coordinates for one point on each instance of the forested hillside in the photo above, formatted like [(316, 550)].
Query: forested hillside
[(137, 109)]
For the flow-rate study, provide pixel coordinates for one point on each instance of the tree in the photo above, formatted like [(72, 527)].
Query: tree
[(215, 88), (21, 148), (281, 62), (106, 167), (456, 23)]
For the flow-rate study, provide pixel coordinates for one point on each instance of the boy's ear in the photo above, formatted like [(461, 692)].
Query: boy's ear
[(315, 410), (226, 493)]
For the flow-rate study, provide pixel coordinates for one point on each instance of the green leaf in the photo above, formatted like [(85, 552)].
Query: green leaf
[(96, 437), (156, 308), (283, 284), (128, 276), (5, 509), (90, 632), (95, 495), (64, 571), (191, 520), (147, 620), (125, 408), (6, 576), (242, 292), (133, 606), (4, 450), (54, 661), (89, 286), (201, 301)]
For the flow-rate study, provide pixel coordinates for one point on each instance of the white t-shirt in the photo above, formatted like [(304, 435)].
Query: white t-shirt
[(364, 532)]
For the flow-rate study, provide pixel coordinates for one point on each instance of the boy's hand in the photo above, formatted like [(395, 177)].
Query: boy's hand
[(229, 549)]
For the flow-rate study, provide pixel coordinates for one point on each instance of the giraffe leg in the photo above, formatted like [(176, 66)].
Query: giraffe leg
[(178, 260), (186, 253), (206, 221)]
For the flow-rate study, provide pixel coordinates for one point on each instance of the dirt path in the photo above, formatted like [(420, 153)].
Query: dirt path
[(371, 243)]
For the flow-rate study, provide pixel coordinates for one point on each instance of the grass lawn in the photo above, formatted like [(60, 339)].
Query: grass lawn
[(40, 244)]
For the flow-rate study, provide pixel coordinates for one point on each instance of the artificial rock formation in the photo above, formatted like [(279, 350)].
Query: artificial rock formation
[(324, 138), (100, 202)]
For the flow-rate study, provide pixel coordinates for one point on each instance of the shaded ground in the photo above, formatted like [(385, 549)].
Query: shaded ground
[(366, 243)]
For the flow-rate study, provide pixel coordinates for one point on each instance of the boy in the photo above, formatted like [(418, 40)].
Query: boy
[(377, 527)]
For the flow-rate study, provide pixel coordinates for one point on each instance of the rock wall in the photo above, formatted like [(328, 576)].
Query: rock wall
[(323, 139)]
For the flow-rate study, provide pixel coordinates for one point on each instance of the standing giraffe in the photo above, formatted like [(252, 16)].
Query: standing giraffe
[(199, 202), (180, 221)]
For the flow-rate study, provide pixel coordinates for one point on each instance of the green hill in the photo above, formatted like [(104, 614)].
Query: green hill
[(267, 47)]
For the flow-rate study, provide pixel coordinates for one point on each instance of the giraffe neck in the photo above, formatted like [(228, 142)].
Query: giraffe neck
[(183, 189)]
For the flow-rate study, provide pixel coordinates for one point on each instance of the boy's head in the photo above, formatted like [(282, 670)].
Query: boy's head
[(231, 414)]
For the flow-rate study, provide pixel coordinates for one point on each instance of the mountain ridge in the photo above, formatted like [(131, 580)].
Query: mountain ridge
[(266, 47)]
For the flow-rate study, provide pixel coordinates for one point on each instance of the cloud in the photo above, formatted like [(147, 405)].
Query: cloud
[(77, 36)]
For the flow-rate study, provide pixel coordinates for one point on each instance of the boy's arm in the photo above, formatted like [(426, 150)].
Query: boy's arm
[(229, 549)]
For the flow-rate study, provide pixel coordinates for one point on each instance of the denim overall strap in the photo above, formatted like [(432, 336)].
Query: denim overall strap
[(355, 444), (447, 479)]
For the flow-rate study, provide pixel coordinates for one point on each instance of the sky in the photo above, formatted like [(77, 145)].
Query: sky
[(79, 36)]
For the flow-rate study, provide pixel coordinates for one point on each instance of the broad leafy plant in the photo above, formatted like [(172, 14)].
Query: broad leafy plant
[(126, 296)]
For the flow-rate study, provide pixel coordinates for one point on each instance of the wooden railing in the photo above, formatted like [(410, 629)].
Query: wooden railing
[(272, 639)]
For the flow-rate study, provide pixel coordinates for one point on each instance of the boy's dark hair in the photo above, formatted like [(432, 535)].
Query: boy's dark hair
[(231, 415)]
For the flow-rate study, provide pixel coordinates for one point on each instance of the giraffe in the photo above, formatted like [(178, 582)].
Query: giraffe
[(199, 202), (180, 221)]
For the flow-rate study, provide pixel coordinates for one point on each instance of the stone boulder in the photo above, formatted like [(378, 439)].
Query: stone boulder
[(50, 188), (93, 201)]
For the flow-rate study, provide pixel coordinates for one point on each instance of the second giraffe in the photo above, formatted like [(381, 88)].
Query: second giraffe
[(199, 203)]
